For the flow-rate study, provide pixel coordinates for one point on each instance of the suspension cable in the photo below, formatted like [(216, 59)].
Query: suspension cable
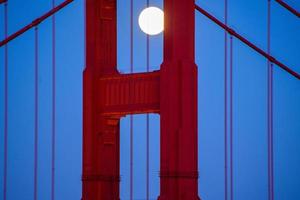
[(270, 108), (35, 22), (272, 133), (225, 103), (248, 43), (288, 7), (53, 142), (131, 116), (5, 103), (36, 109), (231, 118), (148, 123)]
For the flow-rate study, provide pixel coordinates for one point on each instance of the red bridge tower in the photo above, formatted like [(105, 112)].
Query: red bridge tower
[(109, 95)]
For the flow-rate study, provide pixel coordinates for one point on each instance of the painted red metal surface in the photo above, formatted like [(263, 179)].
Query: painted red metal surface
[(178, 104), (109, 95), (100, 132)]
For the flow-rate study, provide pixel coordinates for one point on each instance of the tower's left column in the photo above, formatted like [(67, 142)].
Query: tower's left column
[(100, 178)]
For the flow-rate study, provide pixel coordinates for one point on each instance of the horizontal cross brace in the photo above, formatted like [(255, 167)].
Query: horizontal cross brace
[(124, 94)]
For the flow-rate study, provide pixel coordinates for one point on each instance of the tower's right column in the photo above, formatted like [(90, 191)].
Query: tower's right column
[(178, 109)]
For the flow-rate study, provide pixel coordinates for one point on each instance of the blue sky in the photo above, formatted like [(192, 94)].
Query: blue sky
[(248, 17)]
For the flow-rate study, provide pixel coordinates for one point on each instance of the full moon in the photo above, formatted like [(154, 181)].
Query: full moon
[(151, 20)]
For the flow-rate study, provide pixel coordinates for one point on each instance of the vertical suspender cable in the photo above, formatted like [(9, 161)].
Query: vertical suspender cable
[(148, 124), (271, 150), (225, 104), (131, 117), (5, 102), (231, 118), (53, 105), (268, 102), (270, 108), (271, 129), (36, 109)]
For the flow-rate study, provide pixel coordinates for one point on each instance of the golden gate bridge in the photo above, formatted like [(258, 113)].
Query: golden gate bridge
[(109, 95)]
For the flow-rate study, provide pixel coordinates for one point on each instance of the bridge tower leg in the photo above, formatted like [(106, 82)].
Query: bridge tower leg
[(178, 104), (100, 176)]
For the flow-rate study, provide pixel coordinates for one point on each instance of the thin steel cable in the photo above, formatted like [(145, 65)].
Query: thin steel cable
[(272, 135), (248, 43), (36, 110), (35, 22), (147, 164), (225, 104), (270, 108), (148, 123), (288, 7), (231, 118), (53, 143), (268, 101), (5, 102), (131, 116)]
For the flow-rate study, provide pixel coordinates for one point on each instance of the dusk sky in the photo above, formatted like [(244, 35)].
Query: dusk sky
[(248, 17)]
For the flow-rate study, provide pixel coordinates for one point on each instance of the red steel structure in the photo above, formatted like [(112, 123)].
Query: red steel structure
[(109, 95), (170, 92)]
